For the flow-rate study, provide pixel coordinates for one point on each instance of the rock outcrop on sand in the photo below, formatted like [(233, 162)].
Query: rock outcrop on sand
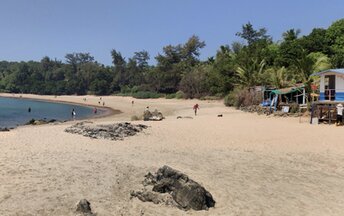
[(4, 129), (152, 116), (172, 187), (266, 110), (111, 131), (83, 207), (40, 121)]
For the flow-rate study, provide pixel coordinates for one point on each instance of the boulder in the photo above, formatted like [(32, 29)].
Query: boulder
[(147, 115), (84, 207), (152, 116), (185, 192)]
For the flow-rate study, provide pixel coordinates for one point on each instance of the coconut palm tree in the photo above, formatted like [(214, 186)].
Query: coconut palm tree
[(250, 73), (279, 77)]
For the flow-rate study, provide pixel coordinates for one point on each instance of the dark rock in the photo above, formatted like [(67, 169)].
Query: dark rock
[(184, 117), (4, 129), (40, 121), (30, 122), (84, 207), (186, 193)]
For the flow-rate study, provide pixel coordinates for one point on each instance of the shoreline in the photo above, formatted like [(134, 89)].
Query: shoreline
[(107, 111)]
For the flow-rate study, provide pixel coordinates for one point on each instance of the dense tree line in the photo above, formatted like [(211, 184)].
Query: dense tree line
[(257, 60)]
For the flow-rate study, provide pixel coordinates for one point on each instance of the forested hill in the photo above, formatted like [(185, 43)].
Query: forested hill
[(257, 60)]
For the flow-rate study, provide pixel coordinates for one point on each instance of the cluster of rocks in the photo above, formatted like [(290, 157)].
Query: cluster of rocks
[(171, 187), (5, 129), (111, 131), (34, 122), (283, 114), (255, 109), (41, 121), (152, 116), (266, 110)]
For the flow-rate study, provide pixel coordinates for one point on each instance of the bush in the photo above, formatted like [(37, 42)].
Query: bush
[(125, 90), (243, 97), (293, 108), (134, 89), (170, 96), (180, 94), (208, 97), (230, 99), (146, 94)]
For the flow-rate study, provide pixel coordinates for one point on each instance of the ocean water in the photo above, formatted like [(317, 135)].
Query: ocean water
[(14, 112)]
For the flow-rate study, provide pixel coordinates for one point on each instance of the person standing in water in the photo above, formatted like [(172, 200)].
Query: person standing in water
[(29, 110), (195, 108), (73, 113)]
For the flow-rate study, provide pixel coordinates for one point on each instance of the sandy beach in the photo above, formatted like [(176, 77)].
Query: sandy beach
[(251, 164)]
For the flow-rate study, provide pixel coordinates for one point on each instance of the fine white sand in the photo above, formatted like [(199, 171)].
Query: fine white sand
[(252, 165)]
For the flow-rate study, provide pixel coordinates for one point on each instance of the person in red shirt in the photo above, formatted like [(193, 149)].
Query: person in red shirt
[(195, 108)]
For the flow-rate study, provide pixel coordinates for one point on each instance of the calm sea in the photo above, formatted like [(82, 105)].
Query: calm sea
[(14, 112)]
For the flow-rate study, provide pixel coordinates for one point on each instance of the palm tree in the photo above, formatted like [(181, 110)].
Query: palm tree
[(308, 64), (250, 73), (279, 77)]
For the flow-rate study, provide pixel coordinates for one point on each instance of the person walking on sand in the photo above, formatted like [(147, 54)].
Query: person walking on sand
[(195, 108), (339, 120)]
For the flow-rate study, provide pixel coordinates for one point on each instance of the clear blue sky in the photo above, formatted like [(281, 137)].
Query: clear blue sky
[(31, 29)]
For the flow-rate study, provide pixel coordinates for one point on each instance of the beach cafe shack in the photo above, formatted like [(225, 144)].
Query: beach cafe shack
[(281, 99), (331, 93)]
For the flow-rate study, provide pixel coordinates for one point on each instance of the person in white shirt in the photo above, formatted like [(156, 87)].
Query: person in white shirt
[(339, 114)]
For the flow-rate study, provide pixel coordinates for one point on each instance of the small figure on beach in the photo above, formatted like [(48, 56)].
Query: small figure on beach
[(95, 110), (339, 120), (100, 98), (195, 108), (73, 113), (99, 102), (29, 110), (147, 108), (103, 103), (132, 103)]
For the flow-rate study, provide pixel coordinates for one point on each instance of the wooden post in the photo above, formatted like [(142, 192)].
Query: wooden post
[(312, 113), (329, 114)]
